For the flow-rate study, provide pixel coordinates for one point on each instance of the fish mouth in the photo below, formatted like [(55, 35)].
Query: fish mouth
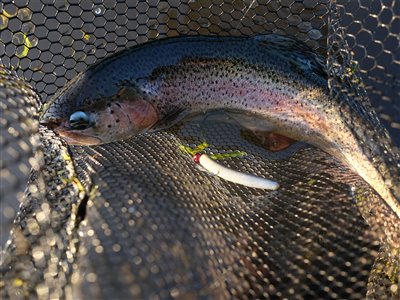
[(78, 138), (72, 137)]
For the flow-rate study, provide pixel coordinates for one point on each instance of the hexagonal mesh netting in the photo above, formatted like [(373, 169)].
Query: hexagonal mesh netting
[(136, 219)]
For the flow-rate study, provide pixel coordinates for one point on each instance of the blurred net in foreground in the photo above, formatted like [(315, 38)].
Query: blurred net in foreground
[(138, 219)]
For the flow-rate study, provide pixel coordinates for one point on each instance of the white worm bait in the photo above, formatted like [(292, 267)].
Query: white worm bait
[(234, 176)]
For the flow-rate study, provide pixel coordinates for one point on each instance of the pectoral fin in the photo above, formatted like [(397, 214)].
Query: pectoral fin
[(173, 118)]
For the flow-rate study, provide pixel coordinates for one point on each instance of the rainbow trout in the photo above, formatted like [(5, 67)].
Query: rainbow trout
[(270, 82)]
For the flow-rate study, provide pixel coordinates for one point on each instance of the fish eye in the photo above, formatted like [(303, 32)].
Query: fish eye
[(79, 120)]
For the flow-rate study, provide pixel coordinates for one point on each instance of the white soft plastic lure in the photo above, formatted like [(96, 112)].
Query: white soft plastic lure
[(234, 176)]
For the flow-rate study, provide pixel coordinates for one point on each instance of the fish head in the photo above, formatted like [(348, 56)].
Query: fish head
[(83, 114)]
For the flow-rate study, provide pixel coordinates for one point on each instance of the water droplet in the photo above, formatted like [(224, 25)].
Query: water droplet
[(305, 26), (33, 41), (18, 38), (61, 4), (79, 56), (28, 28), (259, 20), (153, 24), (163, 7), (65, 29), (24, 14), (183, 30), (90, 50), (99, 10), (101, 44), (204, 23), (36, 65), (315, 34)]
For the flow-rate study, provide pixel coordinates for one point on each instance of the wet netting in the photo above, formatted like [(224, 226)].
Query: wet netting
[(137, 219)]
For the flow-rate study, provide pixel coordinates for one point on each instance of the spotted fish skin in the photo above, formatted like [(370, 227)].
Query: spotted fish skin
[(275, 80)]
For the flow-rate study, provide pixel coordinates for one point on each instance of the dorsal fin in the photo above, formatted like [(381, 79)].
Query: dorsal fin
[(298, 54)]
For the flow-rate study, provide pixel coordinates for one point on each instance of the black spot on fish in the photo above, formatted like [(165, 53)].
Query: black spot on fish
[(111, 112), (109, 126), (117, 120)]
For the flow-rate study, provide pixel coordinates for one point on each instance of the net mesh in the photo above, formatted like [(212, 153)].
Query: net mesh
[(137, 219)]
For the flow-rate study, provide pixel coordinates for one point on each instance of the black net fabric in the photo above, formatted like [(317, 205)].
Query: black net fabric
[(137, 219)]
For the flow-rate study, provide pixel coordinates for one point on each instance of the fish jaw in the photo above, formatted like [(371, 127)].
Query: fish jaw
[(73, 137), (78, 138)]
